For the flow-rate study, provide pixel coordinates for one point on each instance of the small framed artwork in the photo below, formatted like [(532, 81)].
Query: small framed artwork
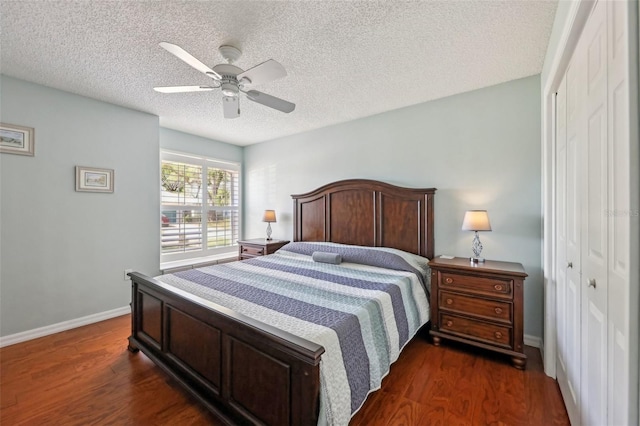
[(91, 179), (16, 139)]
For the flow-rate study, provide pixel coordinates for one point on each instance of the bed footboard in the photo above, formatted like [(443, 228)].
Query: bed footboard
[(243, 370)]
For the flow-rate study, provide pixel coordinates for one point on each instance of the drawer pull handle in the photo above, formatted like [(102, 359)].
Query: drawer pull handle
[(498, 287), (498, 311), (449, 301), (260, 251), (245, 250), (448, 280), (449, 323), (498, 335)]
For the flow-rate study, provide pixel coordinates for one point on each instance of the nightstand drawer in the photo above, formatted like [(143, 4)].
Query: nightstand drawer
[(251, 251), (493, 310), (477, 285), (473, 329)]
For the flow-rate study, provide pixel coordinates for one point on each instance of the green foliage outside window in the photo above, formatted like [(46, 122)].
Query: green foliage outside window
[(170, 177), (218, 184), (175, 176)]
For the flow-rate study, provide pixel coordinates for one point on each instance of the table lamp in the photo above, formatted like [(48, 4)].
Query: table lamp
[(269, 216), (476, 220)]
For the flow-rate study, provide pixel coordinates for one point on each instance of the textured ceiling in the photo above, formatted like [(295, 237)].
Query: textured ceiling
[(345, 60)]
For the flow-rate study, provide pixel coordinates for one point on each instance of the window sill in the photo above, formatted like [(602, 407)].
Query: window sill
[(197, 262)]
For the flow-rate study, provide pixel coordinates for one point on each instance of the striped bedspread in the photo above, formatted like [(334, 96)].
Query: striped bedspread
[(362, 311)]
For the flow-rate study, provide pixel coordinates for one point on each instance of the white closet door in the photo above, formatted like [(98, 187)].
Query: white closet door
[(566, 301), (575, 134), (561, 227), (593, 390)]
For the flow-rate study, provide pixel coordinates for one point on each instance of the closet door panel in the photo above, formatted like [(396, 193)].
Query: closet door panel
[(565, 319), (561, 226), (594, 224), (570, 311), (576, 93)]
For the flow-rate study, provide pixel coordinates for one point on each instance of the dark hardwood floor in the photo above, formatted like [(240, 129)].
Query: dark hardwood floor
[(86, 376)]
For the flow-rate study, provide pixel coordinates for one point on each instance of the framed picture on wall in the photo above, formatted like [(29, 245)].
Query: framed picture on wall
[(92, 179), (16, 139)]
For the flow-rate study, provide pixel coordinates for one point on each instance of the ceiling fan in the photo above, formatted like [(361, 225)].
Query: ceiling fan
[(232, 80)]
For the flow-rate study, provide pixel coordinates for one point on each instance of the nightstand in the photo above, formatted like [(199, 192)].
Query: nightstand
[(479, 304), (258, 247)]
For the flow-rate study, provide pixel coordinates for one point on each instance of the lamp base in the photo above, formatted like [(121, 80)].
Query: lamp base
[(476, 248), (269, 231)]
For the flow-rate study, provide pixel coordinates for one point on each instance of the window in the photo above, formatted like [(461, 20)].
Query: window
[(200, 206)]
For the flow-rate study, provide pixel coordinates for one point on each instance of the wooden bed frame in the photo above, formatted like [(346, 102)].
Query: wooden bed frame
[(246, 371)]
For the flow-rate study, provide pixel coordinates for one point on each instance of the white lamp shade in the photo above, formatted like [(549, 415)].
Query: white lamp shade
[(476, 220), (269, 216)]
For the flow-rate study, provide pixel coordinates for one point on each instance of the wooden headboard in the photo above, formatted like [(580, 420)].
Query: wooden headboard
[(367, 213)]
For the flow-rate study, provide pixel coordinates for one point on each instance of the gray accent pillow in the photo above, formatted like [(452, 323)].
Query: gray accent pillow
[(326, 257)]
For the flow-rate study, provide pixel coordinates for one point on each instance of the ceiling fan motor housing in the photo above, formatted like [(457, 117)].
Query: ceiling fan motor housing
[(229, 82)]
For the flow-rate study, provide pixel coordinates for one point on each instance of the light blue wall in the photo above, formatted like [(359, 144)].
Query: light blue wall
[(174, 140), (63, 253), (481, 149)]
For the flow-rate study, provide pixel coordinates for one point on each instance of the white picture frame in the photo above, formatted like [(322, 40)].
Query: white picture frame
[(17, 139), (93, 179)]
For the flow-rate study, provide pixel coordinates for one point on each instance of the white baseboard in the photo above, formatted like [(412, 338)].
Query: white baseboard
[(534, 341), (12, 339)]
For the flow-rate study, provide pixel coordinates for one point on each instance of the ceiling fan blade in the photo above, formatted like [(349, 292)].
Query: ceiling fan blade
[(263, 73), (231, 106), (189, 59), (270, 101), (182, 89)]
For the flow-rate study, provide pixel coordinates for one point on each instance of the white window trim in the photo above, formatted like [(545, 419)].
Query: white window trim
[(201, 160)]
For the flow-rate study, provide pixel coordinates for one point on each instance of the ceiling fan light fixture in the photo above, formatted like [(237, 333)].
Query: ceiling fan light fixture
[(229, 89)]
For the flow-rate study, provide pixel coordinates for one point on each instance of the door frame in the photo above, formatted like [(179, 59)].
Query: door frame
[(577, 14)]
